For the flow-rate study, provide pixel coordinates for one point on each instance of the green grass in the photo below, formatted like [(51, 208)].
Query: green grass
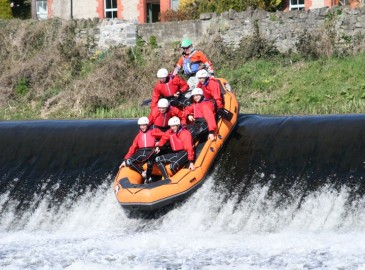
[(20, 111), (278, 86), (129, 112), (281, 86)]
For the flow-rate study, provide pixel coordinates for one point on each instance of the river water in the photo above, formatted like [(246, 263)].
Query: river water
[(285, 193), (206, 232)]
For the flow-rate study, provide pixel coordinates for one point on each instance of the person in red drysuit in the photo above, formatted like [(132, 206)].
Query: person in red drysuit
[(181, 143)]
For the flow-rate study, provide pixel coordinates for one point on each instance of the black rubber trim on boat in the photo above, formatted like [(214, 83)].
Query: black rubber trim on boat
[(124, 182)]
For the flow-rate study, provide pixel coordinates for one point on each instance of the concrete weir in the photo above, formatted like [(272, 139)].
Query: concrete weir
[(305, 152)]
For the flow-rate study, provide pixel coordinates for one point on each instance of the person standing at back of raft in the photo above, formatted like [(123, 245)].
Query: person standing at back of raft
[(191, 62), (141, 150), (181, 143)]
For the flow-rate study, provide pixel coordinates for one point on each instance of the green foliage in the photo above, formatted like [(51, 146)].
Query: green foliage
[(40, 82), (333, 14), (70, 51), (270, 5), (129, 112), (51, 92), (225, 5), (20, 110), (283, 85), (219, 6), (140, 42), (22, 87), (5, 10), (206, 6), (135, 54), (153, 42), (255, 46)]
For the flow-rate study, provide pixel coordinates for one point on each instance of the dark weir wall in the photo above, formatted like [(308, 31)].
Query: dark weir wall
[(295, 156), (73, 155), (300, 152)]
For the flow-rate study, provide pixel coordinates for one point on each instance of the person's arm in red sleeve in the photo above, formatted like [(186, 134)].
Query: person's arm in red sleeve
[(164, 138), (183, 85), (179, 113), (153, 115), (155, 96), (207, 108), (133, 147), (216, 93), (157, 133), (189, 110), (188, 144)]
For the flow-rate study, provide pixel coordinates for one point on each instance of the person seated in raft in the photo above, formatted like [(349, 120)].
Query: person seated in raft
[(160, 115), (211, 89), (181, 143), (201, 115), (141, 150), (170, 87)]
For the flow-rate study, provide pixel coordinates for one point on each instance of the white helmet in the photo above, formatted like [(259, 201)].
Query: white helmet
[(162, 73), (163, 103), (202, 73), (143, 121), (197, 91), (174, 121)]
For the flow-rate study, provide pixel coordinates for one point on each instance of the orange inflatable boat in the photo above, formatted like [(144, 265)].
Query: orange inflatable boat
[(133, 195)]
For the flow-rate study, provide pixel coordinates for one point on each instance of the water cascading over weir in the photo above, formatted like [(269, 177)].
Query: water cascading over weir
[(291, 156)]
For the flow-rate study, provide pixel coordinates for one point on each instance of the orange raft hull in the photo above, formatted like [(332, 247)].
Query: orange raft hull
[(133, 195)]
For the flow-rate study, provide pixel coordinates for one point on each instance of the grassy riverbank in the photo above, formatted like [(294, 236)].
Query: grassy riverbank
[(287, 86), (43, 76), (277, 85)]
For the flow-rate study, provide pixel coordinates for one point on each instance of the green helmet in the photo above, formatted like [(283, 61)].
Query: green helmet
[(186, 43)]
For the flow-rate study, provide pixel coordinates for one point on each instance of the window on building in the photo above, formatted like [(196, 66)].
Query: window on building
[(296, 4), (110, 8), (153, 11), (41, 9), (174, 4)]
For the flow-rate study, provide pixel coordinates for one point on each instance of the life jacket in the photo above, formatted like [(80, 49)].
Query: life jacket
[(197, 110), (167, 86), (189, 67), (163, 118), (175, 142), (146, 140), (212, 92)]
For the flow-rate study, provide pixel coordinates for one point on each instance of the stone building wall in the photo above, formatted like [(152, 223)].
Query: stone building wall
[(341, 27)]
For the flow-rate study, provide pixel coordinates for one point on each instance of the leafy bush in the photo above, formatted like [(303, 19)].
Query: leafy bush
[(270, 5), (197, 7), (153, 42), (22, 87), (5, 10), (312, 45), (255, 47), (178, 15)]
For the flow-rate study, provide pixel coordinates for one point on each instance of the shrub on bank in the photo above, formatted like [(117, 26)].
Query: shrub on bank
[(5, 10)]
